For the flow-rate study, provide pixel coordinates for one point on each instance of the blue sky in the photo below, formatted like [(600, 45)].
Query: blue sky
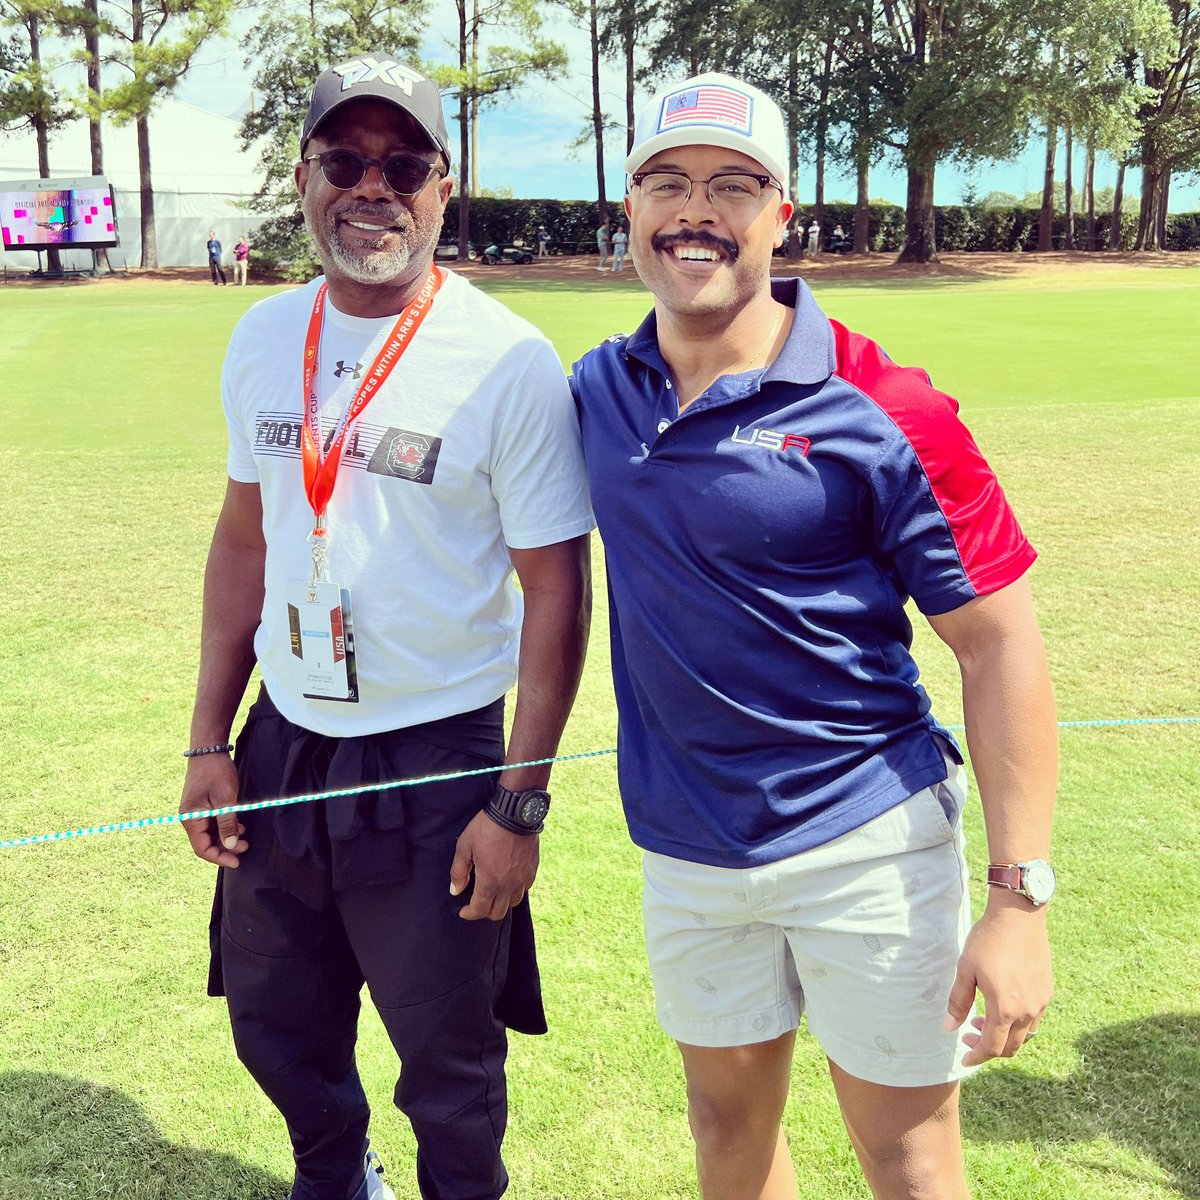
[(525, 142)]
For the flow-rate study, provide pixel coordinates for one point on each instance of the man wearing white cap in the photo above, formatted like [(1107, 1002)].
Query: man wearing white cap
[(771, 489)]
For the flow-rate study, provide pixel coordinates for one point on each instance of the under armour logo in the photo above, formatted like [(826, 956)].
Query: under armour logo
[(366, 69), (342, 369)]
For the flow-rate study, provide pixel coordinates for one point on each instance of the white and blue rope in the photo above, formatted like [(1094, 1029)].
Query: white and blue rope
[(175, 818)]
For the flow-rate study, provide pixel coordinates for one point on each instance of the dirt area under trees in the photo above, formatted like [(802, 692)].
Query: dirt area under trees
[(581, 269)]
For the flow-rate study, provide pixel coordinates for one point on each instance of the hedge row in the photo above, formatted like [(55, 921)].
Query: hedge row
[(572, 226), (282, 246)]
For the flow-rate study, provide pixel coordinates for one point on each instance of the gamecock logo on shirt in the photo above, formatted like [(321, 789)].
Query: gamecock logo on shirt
[(406, 455)]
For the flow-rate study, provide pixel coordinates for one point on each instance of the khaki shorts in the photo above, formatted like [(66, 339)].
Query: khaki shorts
[(862, 935)]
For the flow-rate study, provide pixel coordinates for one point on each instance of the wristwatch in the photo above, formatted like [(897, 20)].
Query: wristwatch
[(521, 812), (1033, 879)]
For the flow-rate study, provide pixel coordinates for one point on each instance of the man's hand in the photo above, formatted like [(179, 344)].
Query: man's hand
[(212, 782), (1007, 959), (505, 865)]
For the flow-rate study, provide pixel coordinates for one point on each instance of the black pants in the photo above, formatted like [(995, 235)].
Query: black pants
[(214, 265), (334, 893)]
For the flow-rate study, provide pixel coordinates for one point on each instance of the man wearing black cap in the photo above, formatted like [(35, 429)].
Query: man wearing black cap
[(400, 444)]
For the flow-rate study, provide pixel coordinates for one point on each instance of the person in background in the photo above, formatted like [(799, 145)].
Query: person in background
[(241, 261), (602, 246), (814, 237), (620, 244), (771, 488), (543, 238), (214, 258)]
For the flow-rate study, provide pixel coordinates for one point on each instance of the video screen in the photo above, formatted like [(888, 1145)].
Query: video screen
[(64, 212)]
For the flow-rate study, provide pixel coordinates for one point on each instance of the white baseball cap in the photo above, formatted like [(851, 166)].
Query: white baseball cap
[(712, 110)]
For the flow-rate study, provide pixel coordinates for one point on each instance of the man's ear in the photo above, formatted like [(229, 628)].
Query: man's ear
[(783, 214)]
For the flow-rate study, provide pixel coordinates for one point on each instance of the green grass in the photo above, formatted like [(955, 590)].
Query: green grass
[(117, 1078)]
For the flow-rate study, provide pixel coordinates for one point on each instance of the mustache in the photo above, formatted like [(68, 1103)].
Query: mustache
[(393, 213), (696, 237)]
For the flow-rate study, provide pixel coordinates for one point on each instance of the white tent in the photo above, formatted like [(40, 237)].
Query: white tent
[(202, 178)]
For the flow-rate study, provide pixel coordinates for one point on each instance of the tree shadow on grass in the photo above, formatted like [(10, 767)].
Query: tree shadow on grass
[(1137, 1084), (62, 1136)]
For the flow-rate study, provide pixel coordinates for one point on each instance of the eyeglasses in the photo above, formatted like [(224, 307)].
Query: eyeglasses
[(730, 191), (405, 174)]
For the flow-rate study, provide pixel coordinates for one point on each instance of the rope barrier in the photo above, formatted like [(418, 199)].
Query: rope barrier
[(175, 818)]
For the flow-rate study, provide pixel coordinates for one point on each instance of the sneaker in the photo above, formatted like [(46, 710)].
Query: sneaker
[(373, 1187), (376, 1188)]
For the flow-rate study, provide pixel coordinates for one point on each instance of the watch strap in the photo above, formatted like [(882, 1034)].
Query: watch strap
[(1007, 875), (505, 808)]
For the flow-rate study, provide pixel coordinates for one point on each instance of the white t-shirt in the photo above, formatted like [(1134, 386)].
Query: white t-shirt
[(471, 446)]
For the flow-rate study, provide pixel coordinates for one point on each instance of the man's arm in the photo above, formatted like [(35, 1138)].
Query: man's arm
[(233, 598), (1011, 732), (556, 582)]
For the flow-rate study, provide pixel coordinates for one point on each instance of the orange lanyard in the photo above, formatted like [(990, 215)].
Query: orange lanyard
[(321, 463)]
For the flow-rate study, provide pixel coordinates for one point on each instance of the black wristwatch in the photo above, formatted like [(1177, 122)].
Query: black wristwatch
[(521, 812)]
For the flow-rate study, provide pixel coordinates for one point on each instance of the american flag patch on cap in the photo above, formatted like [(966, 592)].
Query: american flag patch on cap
[(708, 104)]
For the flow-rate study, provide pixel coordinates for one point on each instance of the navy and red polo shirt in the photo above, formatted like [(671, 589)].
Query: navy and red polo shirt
[(760, 548)]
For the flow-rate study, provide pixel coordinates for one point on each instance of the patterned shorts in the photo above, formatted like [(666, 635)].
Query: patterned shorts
[(862, 935)]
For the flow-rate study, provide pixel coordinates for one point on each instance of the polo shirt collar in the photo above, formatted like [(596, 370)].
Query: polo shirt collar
[(807, 356)]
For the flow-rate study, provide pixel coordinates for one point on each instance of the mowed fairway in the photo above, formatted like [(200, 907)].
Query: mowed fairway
[(117, 1077)]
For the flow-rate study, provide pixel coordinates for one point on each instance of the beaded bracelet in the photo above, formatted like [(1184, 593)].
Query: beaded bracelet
[(225, 748)]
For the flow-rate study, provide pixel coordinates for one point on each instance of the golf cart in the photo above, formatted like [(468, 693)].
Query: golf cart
[(508, 252)]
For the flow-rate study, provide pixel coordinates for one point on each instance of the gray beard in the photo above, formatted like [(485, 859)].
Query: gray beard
[(362, 265), (368, 266)]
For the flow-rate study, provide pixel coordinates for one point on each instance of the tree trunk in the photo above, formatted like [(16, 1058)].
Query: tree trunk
[(597, 113), (474, 145), (1114, 228), (795, 233), (475, 100), (1046, 216), (464, 140), (862, 206), (822, 136), (40, 131), (862, 143), (142, 125), (629, 34), (149, 232), (91, 42), (920, 239), (1164, 199), (1069, 195), (1089, 193), (1147, 231), (920, 232)]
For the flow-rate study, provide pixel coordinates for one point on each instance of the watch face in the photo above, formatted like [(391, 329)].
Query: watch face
[(1038, 880), (534, 807)]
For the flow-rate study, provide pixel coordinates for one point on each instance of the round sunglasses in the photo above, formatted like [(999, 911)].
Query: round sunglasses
[(404, 174)]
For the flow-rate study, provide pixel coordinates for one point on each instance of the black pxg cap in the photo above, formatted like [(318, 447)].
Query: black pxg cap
[(379, 77)]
